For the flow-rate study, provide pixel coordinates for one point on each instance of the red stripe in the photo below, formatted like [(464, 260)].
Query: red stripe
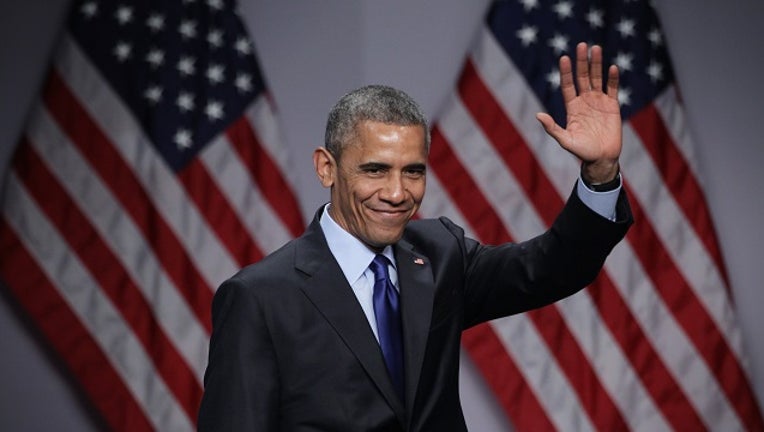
[(218, 213), (125, 186), (69, 338), (601, 409), (693, 317), (266, 175), (680, 181), (110, 275), (505, 380)]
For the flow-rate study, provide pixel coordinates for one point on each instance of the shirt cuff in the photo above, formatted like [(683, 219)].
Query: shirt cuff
[(602, 203)]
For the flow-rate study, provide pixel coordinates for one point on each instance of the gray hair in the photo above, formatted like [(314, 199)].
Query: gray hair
[(377, 103)]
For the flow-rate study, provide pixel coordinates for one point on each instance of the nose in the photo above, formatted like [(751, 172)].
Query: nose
[(393, 191)]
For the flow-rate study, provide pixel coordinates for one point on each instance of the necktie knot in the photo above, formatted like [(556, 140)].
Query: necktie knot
[(379, 267)]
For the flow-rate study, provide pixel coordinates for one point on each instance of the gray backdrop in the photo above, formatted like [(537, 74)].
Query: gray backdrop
[(312, 52)]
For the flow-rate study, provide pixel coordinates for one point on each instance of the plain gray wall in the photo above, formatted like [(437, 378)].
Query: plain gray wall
[(312, 52)]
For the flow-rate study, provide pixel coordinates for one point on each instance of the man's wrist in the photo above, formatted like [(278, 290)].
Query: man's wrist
[(603, 187)]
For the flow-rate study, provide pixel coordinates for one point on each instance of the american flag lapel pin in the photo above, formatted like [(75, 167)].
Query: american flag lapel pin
[(419, 261)]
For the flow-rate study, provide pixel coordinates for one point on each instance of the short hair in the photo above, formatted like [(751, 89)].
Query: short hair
[(377, 103)]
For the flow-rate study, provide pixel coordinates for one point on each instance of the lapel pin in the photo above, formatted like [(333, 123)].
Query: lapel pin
[(419, 261)]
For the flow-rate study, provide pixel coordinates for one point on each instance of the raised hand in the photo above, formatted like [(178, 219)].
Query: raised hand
[(593, 132)]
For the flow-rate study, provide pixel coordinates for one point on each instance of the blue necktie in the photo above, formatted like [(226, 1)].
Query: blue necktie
[(388, 314)]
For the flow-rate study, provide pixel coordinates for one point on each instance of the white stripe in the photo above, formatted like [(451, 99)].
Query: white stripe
[(93, 309), (554, 393), (243, 194), (519, 216), (167, 195), (672, 113), (117, 230), (267, 128), (519, 105)]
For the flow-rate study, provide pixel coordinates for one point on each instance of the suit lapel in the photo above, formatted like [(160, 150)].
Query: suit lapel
[(328, 290), (417, 292)]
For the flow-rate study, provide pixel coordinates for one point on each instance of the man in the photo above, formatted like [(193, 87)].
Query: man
[(355, 325)]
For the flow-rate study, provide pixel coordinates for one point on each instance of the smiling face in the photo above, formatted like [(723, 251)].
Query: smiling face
[(378, 183)]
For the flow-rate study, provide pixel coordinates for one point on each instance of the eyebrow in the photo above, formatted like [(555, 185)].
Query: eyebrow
[(379, 165)]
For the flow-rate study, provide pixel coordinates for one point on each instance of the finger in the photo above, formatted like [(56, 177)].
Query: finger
[(566, 80), (582, 68), (612, 82), (596, 68)]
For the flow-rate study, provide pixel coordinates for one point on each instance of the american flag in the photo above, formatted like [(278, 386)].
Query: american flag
[(150, 171), (653, 344)]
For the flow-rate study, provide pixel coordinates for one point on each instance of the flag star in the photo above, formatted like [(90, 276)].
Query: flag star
[(214, 110), (185, 101), (124, 15), (624, 61), (559, 44), (215, 4), (655, 37), (595, 18), (243, 82), (187, 29), (655, 71), (625, 27), (215, 38), (186, 66), (529, 4), (527, 35), (624, 96), (242, 46), (563, 9), (123, 51), (89, 9), (183, 138), (155, 57), (155, 22), (553, 78), (215, 73), (153, 94)]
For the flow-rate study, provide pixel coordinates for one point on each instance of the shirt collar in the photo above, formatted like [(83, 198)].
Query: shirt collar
[(351, 254)]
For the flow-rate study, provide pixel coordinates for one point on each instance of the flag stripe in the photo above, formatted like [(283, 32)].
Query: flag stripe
[(233, 179), (266, 174), (42, 301), (116, 283), (218, 213), (89, 138), (679, 180)]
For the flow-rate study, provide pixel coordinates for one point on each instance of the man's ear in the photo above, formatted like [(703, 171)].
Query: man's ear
[(325, 165)]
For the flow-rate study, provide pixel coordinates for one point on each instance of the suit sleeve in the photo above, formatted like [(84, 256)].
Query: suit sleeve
[(241, 381), (517, 277)]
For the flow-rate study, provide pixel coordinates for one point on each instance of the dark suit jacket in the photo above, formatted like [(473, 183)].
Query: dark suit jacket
[(291, 349)]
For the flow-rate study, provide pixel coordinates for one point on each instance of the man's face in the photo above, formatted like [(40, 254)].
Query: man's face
[(379, 182)]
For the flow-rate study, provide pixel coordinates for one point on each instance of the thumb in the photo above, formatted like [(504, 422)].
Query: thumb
[(551, 127)]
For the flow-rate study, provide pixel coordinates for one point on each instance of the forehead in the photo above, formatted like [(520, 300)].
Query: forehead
[(372, 137)]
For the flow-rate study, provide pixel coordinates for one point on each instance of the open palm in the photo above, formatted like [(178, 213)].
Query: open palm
[(593, 131)]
